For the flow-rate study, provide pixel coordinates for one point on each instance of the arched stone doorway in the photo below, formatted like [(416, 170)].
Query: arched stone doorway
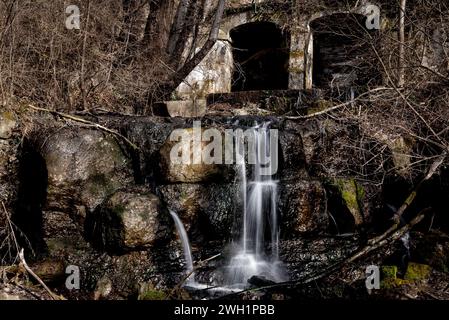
[(261, 57), (343, 55)]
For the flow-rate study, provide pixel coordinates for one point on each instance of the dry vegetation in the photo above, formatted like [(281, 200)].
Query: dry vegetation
[(124, 56), (128, 54)]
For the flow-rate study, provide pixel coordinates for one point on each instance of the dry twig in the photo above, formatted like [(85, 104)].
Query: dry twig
[(53, 295)]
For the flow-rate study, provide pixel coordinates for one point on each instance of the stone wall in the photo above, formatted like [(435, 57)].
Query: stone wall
[(214, 74), (88, 198)]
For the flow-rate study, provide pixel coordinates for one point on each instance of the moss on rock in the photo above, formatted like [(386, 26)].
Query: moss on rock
[(152, 294), (353, 195), (417, 271), (318, 106)]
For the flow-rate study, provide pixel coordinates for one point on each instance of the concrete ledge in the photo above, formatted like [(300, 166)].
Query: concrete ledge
[(185, 109)]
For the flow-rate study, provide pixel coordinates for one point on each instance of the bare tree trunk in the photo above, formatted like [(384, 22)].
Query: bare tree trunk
[(157, 26), (184, 71), (178, 24), (401, 77), (191, 20), (133, 20)]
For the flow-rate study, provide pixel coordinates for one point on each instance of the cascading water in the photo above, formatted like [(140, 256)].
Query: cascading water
[(186, 247), (259, 209), (259, 218)]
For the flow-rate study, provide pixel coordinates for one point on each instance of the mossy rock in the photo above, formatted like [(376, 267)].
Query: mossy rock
[(7, 124), (83, 167), (318, 106), (389, 272), (353, 195), (129, 220), (417, 272), (389, 278), (152, 294)]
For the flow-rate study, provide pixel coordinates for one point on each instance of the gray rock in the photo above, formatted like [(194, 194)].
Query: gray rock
[(103, 288), (173, 172), (7, 124), (130, 220), (83, 167)]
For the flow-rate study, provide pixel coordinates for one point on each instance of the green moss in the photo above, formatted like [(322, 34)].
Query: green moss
[(350, 198), (278, 104), (152, 294), (389, 278), (416, 271), (360, 192), (183, 195), (392, 283), (6, 115), (296, 54), (353, 195), (318, 106), (119, 210), (389, 272)]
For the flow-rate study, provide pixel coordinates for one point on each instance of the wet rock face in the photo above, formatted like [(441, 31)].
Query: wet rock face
[(303, 256), (303, 205), (207, 210), (130, 220), (292, 152), (182, 160)]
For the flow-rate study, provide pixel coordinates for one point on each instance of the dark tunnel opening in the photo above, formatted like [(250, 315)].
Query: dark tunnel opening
[(342, 52), (261, 57)]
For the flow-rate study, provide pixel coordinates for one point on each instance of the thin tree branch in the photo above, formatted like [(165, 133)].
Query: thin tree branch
[(53, 295)]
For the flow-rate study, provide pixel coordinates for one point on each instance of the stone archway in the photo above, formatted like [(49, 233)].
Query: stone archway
[(342, 52)]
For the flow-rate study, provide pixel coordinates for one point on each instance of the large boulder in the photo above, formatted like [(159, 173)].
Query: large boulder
[(83, 168), (65, 173), (129, 220), (173, 170)]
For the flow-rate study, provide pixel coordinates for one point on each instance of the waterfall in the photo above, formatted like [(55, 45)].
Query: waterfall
[(259, 209), (185, 245)]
